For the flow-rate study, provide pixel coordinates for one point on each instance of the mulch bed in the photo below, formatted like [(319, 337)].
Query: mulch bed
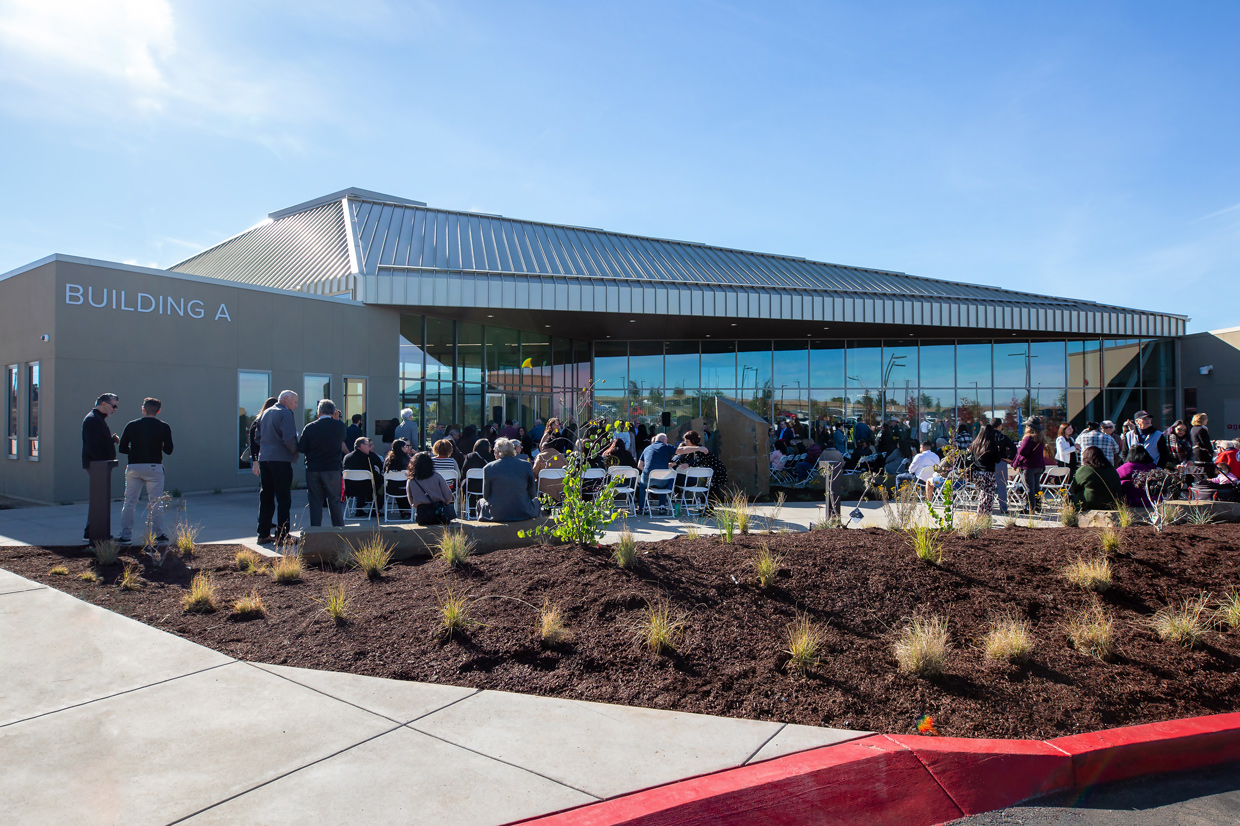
[(861, 585)]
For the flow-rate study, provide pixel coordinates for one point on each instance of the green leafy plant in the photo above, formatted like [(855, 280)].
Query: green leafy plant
[(1090, 574), (249, 606), (659, 629), (1008, 640), (805, 641), (926, 542), (922, 646), (337, 604), (765, 566), (739, 504), (725, 520), (454, 547), (201, 596), (1092, 632), (624, 554), (1125, 515), (1185, 623), (373, 556)]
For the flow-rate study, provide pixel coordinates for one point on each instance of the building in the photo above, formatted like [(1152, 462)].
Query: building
[(382, 303)]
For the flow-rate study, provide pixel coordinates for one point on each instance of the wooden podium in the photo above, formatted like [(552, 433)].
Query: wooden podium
[(99, 514)]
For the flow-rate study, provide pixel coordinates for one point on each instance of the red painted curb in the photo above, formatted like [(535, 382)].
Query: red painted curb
[(914, 781)]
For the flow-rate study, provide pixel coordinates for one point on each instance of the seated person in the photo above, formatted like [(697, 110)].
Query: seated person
[(509, 492), (657, 456), (692, 453), (812, 454), (1139, 461), (779, 454), (397, 461), (1095, 485), (617, 455), (443, 461), (1223, 476), (927, 458), (550, 458), (363, 457), (479, 458), (1228, 456), (426, 486)]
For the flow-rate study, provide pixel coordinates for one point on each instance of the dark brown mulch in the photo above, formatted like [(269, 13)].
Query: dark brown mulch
[(862, 585)]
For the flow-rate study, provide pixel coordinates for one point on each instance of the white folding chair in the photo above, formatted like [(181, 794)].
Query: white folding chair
[(661, 484), (923, 478), (350, 502), (626, 491), (695, 494), (390, 502), (452, 477), (592, 479), (1054, 485), (552, 475), (471, 493), (1017, 496)]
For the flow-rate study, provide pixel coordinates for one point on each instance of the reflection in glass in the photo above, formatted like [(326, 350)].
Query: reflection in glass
[(1084, 364), (864, 364), (1013, 364), (355, 401), (1160, 402), (938, 365), (826, 364), (253, 389), (503, 357), (10, 409), (645, 380), (1084, 405), (1048, 363), (973, 366), (682, 365), (469, 353), (791, 377), (313, 389), (410, 354), (1121, 405), (32, 409), (1121, 359), (440, 354), (753, 359), (611, 367), (536, 362), (1158, 363), (718, 364), (972, 405)]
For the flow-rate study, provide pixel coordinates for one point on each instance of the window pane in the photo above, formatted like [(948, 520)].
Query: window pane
[(826, 407), (1012, 406), (440, 354), (1084, 405), (938, 365), (826, 363), (1084, 364), (562, 375), (314, 389), (355, 402), (683, 406), (682, 365), (469, 353), (1048, 364), (972, 368), (1121, 360), (1013, 366), (252, 390), (972, 406), (1158, 363), (581, 357), (536, 362), (753, 359), (936, 410), (792, 371), (10, 407), (32, 409), (1121, 405), (503, 355), (718, 364), (900, 365), (645, 367), (611, 367), (1160, 402), (410, 346), (864, 364)]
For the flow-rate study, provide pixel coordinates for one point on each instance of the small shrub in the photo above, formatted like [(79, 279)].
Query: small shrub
[(1069, 516), (772, 518), (454, 547), (130, 580), (59, 570), (201, 596), (902, 507), (1227, 611), (249, 606), (1010, 522), (922, 646), (1126, 516), (926, 542), (1091, 632), (725, 519), (1090, 574), (739, 503), (659, 630), (88, 576), (149, 538), (969, 525), (1200, 515), (287, 569), (1008, 640), (805, 640), (551, 629), (625, 552), (765, 566), (693, 531), (373, 556), (453, 613), (1185, 623), (107, 552), (337, 604), (249, 562), (185, 538), (1111, 539)]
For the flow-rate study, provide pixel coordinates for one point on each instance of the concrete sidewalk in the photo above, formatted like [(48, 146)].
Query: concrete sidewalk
[(106, 720)]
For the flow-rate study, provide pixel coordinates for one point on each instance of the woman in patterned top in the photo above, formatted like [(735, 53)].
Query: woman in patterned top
[(691, 453)]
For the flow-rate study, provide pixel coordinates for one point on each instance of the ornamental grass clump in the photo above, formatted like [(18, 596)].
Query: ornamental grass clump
[(249, 606), (88, 576), (926, 542), (248, 562), (765, 566), (726, 520), (1092, 632), (454, 547), (659, 629), (1008, 640), (969, 525), (805, 641), (373, 556), (130, 579), (1111, 538), (1199, 515), (1185, 623), (59, 570), (625, 552), (201, 596), (1069, 514), (337, 604), (453, 613), (107, 552), (1227, 610), (287, 569), (1125, 515), (922, 646), (185, 538), (551, 630), (1090, 574)]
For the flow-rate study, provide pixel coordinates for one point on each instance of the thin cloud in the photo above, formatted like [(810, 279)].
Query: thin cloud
[(1231, 208)]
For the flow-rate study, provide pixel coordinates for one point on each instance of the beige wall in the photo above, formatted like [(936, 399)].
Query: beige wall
[(189, 363), (26, 313)]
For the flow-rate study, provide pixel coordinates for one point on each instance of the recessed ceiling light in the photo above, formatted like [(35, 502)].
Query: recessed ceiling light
[(634, 321), (546, 325), (733, 323), (490, 316)]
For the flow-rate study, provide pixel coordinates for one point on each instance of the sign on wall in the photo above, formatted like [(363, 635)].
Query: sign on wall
[(1231, 419), (113, 299)]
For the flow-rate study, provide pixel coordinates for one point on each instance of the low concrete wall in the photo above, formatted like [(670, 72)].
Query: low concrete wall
[(409, 541), (1220, 511)]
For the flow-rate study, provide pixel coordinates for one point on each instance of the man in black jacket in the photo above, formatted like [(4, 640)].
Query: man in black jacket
[(363, 457), (320, 444), (98, 441), (145, 441)]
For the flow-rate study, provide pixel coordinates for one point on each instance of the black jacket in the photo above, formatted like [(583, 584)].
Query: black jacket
[(97, 444), (146, 440), (320, 444)]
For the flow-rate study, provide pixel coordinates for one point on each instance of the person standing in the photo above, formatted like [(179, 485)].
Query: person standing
[(1065, 448), (1007, 452), (98, 440), (320, 448), (1031, 461), (355, 431), (407, 429), (145, 441), (277, 450), (1203, 448)]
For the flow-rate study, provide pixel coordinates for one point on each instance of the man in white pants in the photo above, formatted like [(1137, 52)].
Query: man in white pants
[(145, 440)]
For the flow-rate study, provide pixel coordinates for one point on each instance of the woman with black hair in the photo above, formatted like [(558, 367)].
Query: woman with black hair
[(617, 455), (1096, 485), (984, 453), (397, 461), (480, 457), (427, 490), (692, 453)]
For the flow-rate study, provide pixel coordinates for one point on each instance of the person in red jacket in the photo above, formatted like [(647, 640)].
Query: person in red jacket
[(1031, 460)]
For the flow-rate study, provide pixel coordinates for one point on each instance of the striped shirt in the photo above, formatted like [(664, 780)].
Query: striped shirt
[(1100, 440), (443, 465)]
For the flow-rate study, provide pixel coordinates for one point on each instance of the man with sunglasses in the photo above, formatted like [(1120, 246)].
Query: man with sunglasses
[(98, 440)]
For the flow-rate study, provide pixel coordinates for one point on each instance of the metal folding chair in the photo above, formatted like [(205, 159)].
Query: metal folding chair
[(390, 502), (350, 502), (660, 484), (471, 493), (626, 491), (696, 492)]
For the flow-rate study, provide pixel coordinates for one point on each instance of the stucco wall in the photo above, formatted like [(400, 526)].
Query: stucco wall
[(27, 313), (1218, 394)]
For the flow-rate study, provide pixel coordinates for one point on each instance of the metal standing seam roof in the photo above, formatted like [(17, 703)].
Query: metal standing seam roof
[(393, 250)]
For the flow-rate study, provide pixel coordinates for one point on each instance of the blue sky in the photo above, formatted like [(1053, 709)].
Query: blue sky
[(1078, 149)]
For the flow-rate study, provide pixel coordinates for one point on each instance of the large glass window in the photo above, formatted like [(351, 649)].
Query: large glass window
[(469, 353), (314, 388), (440, 354), (791, 360), (718, 365), (10, 411), (410, 347), (1121, 359), (682, 365), (536, 362), (973, 365), (645, 368), (1084, 364), (1013, 365), (1158, 363), (826, 364), (865, 364), (32, 409), (938, 365), (611, 367), (900, 380), (1048, 363), (253, 388), (753, 359)]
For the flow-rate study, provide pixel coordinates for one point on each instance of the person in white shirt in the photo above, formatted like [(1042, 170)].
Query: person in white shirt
[(927, 458)]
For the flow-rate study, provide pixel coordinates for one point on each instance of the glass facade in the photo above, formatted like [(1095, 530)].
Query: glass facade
[(456, 373), (253, 388), (314, 388)]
